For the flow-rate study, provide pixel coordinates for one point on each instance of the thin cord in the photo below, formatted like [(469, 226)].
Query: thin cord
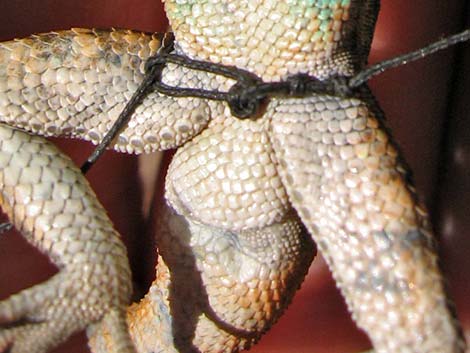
[(404, 59), (248, 93)]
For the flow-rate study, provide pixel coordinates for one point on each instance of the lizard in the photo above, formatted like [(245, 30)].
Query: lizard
[(181, 41)]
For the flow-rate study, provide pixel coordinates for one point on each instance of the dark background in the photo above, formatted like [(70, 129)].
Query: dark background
[(426, 104)]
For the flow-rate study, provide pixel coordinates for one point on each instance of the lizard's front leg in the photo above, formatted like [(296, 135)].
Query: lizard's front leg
[(47, 198), (56, 84), (74, 83)]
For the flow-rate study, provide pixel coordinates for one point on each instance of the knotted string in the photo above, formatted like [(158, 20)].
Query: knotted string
[(249, 92)]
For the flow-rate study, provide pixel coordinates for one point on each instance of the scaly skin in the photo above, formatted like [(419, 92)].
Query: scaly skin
[(346, 152)]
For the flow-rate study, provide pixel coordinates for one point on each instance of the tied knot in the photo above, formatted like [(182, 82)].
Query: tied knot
[(244, 98), (155, 63)]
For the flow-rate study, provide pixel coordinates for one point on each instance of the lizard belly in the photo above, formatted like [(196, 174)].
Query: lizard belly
[(226, 177)]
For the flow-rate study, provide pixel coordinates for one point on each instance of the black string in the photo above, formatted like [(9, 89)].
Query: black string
[(249, 92), (377, 69), (246, 95)]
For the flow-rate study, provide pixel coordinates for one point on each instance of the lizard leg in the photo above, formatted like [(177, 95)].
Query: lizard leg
[(216, 290), (47, 198), (346, 179), (75, 83)]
